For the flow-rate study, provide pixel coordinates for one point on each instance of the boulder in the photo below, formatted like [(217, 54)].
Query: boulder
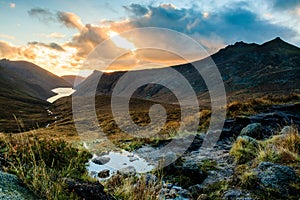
[(88, 190), (254, 130), (127, 171), (104, 173), (288, 130), (11, 188), (276, 177), (236, 194), (101, 160)]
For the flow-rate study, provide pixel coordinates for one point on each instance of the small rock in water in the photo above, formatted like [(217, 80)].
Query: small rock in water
[(103, 173), (132, 159), (127, 171), (101, 160)]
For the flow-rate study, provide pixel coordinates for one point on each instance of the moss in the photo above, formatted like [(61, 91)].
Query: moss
[(215, 190)]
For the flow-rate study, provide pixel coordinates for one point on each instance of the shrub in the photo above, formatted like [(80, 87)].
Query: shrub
[(42, 165)]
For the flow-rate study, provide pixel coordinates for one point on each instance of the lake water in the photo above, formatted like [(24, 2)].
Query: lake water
[(61, 92)]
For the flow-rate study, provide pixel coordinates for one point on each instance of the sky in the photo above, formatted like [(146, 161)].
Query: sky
[(58, 35)]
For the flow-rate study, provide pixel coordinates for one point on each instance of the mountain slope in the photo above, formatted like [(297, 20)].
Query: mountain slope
[(72, 78), (30, 78), (246, 69), (23, 92)]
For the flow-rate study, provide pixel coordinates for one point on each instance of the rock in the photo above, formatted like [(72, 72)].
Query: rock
[(188, 170), (254, 130), (249, 140), (232, 194), (275, 176), (185, 194), (101, 160), (132, 159), (288, 130), (103, 173), (88, 190), (151, 179), (127, 171), (236, 195), (202, 197), (11, 189)]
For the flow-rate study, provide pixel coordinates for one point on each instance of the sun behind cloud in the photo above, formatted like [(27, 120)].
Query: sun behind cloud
[(121, 42)]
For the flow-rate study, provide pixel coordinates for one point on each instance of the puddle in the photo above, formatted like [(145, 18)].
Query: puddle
[(119, 160)]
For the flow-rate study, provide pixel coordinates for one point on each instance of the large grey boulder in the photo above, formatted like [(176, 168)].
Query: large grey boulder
[(254, 130), (276, 177), (10, 188)]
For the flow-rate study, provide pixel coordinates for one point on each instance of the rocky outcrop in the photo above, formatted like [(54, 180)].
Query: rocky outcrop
[(11, 189), (276, 177), (88, 190)]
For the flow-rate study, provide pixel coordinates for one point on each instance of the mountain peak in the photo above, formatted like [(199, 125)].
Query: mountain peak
[(277, 42)]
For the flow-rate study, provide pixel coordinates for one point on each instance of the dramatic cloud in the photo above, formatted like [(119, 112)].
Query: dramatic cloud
[(43, 15), (70, 20), (136, 9), (285, 4), (50, 46)]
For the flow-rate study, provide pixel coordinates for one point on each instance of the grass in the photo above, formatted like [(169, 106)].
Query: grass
[(244, 150), (133, 188), (280, 149), (42, 165)]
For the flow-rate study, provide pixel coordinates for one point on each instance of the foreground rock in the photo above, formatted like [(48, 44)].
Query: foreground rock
[(127, 171), (10, 188), (276, 177), (101, 160), (88, 190)]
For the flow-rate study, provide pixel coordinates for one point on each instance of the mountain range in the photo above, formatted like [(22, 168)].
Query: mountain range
[(247, 70)]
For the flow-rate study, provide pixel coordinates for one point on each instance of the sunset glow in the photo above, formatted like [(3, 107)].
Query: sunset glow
[(59, 36)]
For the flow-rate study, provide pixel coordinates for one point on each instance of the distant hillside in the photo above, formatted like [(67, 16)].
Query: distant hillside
[(30, 79), (72, 78), (23, 93), (248, 70)]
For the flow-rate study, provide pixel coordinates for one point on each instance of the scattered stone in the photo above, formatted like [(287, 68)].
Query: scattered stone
[(88, 190), (275, 176), (104, 173), (101, 160), (151, 179), (254, 130), (202, 197), (127, 171), (288, 130), (132, 159)]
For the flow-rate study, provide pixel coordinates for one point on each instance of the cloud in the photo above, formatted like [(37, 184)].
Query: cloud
[(7, 36), (52, 35), (8, 50), (43, 15), (285, 4), (12, 5), (52, 45), (136, 9), (70, 20)]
